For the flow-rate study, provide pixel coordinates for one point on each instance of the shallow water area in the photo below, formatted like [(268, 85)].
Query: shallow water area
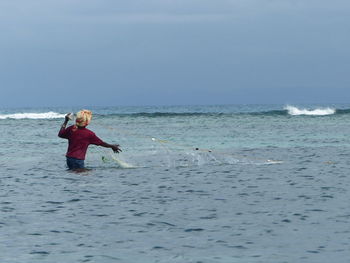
[(179, 204)]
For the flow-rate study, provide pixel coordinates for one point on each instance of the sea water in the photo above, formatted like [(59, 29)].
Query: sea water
[(210, 184)]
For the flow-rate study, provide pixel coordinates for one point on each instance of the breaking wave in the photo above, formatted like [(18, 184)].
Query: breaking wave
[(30, 115), (315, 112)]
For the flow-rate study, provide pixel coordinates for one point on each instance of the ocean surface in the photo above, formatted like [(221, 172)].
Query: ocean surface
[(194, 184)]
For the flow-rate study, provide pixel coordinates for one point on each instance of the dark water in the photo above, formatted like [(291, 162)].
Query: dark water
[(179, 204)]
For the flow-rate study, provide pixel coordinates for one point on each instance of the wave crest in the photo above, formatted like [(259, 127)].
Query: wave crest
[(29, 115), (316, 112)]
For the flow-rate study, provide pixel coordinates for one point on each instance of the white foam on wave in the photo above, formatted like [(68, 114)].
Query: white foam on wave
[(29, 115), (316, 112)]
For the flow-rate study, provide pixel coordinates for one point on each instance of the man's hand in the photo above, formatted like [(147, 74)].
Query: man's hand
[(115, 148), (68, 117)]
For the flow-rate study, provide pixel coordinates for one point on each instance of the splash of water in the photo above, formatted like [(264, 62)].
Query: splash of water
[(316, 112), (29, 115)]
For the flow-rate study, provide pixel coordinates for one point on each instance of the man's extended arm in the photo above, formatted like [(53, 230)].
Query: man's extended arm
[(114, 147), (64, 125)]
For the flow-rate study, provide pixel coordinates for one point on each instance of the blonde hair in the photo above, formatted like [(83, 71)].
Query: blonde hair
[(83, 118)]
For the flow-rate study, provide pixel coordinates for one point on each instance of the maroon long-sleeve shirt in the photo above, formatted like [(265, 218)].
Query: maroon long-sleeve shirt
[(79, 140)]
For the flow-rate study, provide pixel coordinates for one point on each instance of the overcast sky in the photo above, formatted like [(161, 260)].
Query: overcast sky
[(173, 52)]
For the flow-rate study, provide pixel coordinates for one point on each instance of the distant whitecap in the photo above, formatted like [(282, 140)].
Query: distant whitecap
[(316, 112), (29, 115)]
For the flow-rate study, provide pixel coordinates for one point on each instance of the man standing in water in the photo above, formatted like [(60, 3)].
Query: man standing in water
[(79, 139)]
